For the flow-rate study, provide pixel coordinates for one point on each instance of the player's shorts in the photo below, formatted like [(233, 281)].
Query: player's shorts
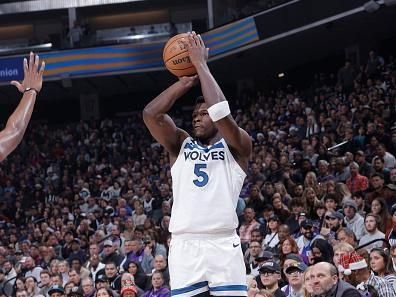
[(207, 263)]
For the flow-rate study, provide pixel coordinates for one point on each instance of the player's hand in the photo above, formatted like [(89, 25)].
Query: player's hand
[(33, 76), (189, 81), (196, 49)]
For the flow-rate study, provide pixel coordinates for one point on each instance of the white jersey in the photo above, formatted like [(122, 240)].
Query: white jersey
[(206, 182)]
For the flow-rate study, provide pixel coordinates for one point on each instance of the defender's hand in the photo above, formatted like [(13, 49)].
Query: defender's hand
[(33, 76)]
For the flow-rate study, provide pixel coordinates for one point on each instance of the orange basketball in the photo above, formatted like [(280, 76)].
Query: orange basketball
[(176, 57)]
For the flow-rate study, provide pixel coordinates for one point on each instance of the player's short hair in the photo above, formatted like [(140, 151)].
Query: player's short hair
[(199, 100)]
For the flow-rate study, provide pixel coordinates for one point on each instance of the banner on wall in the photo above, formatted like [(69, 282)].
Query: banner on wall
[(107, 60), (11, 69)]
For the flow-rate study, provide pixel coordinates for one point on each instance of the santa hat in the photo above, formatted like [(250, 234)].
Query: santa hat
[(131, 289), (351, 261)]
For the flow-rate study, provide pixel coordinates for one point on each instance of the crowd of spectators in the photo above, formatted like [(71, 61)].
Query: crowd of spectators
[(85, 208)]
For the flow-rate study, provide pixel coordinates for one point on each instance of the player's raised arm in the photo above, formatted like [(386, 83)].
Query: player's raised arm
[(161, 126), (218, 108), (17, 123)]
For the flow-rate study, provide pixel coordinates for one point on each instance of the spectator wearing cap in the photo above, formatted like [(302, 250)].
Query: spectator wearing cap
[(380, 190), (341, 249), (249, 223), (333, 222), (271, 240), (101, 282), (356, 182), (356, 270), (353, 220), (270, 275), (304, 241), (325, 282), (56, 291), (129, 291), (294, 274), (110, 254), (75, 292), (371, 223)]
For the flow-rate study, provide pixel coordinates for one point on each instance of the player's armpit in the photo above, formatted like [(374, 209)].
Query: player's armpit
[(164, 130)]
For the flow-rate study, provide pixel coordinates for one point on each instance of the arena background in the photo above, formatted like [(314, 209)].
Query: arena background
[(297, 38)]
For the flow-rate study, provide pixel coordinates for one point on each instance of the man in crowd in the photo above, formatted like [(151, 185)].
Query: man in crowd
[(353, 220), (270, 275), (324, 281)]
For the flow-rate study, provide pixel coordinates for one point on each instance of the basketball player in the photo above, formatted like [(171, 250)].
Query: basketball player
[(12, 134), (208, 171)]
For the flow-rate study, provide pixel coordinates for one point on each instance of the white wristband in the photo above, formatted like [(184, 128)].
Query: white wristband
[(219, 110)]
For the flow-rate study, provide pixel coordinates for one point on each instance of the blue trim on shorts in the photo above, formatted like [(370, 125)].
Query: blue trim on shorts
[(189, 288), (229, 288)]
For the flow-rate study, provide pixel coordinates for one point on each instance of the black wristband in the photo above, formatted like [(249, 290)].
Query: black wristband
[(31, 89)]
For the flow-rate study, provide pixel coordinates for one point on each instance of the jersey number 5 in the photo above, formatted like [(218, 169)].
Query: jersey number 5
[(203, 177)]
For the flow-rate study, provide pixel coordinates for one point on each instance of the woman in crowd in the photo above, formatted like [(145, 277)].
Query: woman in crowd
[(104, 292), (136, 270), (343, 192), (311, 181), (321, 251), (158, 286), (382, 265), (380, 208), (287, 246), (310, 201), (255, 199), (281, 189), (280, 209)]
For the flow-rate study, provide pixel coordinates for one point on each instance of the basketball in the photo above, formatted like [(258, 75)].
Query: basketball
[(176, 57)]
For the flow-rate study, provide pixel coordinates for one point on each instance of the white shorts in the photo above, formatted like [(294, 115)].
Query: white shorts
[(202, 263)]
